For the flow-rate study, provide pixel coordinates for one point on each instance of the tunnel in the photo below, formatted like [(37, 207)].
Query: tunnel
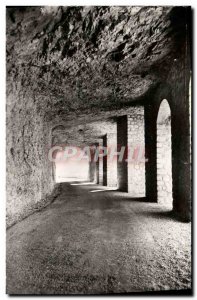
[(98, 149)]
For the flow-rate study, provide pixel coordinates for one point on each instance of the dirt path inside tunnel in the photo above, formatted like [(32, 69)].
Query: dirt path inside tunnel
[(91, 240)]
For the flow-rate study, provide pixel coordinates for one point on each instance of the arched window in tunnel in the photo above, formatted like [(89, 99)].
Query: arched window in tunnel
[(71, 168), (164, 155)]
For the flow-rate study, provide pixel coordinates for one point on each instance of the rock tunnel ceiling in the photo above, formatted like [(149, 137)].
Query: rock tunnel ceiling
[(82, 135), (74, 61)]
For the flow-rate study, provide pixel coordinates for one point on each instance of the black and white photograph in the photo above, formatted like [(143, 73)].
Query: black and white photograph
[(99, 115)]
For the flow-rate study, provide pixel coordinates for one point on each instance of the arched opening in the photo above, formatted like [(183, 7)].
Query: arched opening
[(73, 168), (164, 156)]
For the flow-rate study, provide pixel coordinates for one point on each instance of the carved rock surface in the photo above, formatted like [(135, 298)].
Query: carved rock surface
[(72, 65)]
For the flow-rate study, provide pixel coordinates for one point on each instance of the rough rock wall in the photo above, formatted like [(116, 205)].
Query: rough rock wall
[(29, 177), (83, 134), (88, 59)]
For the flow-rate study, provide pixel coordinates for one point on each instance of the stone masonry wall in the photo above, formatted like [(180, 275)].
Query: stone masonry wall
[(136, 169), (130, 134), (176, 91)]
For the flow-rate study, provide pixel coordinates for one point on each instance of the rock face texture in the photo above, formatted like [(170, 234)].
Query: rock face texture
[(72, 65), (70, 59)]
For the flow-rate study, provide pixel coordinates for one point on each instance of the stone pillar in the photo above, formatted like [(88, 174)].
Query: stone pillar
[(131, 169), (105, 162), (92, 167), (179, 80), (122, 141), (97, 167), (181, 162), (136, 142), (112, 162), (150, 152), (110, 165), (100, 164)]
